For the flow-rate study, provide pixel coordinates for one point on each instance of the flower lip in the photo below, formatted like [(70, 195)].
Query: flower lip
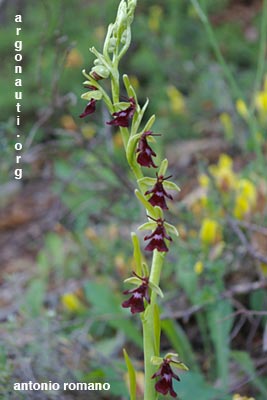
[(89, 109), (145, 152), (122, 118), (166, 374)]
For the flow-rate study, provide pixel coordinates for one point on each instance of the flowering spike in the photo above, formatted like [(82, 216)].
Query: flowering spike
[(121, 118), (145, 152), (158, 193), (157, 237)]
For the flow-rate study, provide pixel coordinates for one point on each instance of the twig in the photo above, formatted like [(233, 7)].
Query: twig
[(253, 227), (229, 293), (248, 247)]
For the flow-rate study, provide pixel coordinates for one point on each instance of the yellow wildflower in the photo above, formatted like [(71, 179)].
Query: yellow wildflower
[(223, 173), (246, 198), (238, 397), (209, 231), (198, 267), (176, 99), (71, 302), (225, 161), (74, 59), (261, 102), (242, 207), (263, 268), (204, 180), (155, 14), (68, 123), (248, 190), (227, 124), (242, 108)]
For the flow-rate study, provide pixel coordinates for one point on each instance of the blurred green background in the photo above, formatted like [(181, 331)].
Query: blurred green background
[(65, 228)]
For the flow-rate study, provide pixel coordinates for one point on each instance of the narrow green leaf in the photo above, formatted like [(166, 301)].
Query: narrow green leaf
[(132, 375), (219, 326), (246, 364)]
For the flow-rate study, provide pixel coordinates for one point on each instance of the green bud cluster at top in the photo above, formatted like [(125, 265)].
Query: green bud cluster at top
[(137, 139)]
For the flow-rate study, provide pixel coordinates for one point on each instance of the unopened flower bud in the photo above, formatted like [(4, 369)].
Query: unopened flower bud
[(124, 37), (99, 72), (112, 44)]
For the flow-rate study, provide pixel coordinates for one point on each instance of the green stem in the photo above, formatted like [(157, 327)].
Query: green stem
[(148, 329)]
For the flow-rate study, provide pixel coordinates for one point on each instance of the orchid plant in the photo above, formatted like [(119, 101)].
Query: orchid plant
[(152, 193)]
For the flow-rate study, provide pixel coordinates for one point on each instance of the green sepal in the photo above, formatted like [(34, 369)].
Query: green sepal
[(132, 375), (171, 186), (157, 328), (93, 94), (133, 281), (163, 167), (122, 105), (145, 203), (147, 181), (171, 355), (171, 229), (176, 363), (155, 360), (179, 365), (156, 289), (137, 254), (147, 226), (149, 123)]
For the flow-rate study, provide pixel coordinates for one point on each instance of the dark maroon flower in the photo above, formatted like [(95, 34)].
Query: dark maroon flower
[(145, 153), (136, 301), (157, 237), (121, 118), (164, 384), (89, 109), (159, 193)]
